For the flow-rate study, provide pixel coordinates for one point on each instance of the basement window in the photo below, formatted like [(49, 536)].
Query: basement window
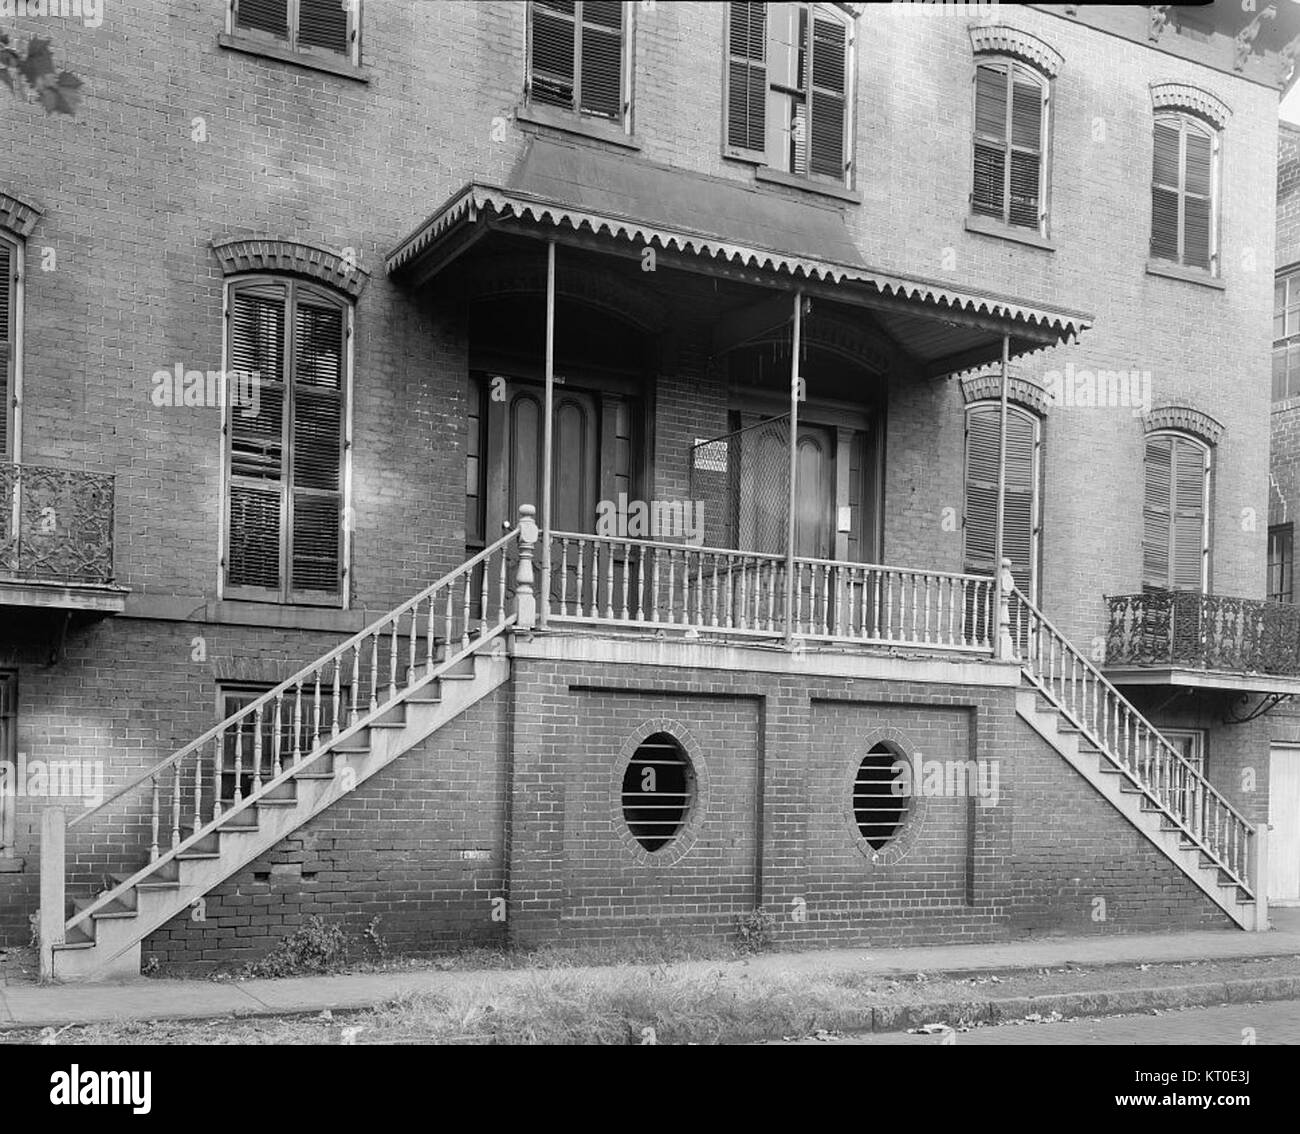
[(658, 789), (879, 802)]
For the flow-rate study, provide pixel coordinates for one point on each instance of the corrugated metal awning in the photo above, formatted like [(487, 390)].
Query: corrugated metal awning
[(577, 195)]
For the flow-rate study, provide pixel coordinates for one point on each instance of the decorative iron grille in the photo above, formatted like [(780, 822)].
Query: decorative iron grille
[(1211, 632), (56, 524)]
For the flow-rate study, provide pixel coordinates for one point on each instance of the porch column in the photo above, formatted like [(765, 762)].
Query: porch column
[(794, 460), (999, 591), (544, 607)]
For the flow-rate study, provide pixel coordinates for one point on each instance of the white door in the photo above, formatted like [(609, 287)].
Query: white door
[(1284, 818)]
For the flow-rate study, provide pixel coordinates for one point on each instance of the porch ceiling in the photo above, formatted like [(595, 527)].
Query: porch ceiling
[(619, 205)]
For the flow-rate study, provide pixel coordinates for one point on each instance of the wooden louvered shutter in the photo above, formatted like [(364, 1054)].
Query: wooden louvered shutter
[(1020, 510), (1173, 539), (553, 53), (988, 195), (8, 267), (600, 81), (1188, 544), (980, 515), (827, 97), (317, 466), (255, 517), (1197, 176), (270, 16), (324, 24), (1026, 156), (747, 77), (1164, 191)]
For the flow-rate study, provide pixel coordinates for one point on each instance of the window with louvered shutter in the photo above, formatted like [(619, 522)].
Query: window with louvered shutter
[(1175, 547), (309, 26), (576, 51), (1184, 175), (285, 511), (1009, 143), (8, 317), (788, 78), (1286, 336), (1020, 532), (747, 77)]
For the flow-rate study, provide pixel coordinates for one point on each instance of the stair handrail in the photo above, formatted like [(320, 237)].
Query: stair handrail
[(1247, 828), (312, 668)]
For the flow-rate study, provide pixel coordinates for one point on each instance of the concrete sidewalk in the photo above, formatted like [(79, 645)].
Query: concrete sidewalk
[(27, 1006)]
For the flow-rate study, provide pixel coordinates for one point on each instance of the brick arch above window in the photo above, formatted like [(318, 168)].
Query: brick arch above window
[(1184, 96), (1184, 419), (17, 216), (988, 387), (270, 256), (1000, 39)]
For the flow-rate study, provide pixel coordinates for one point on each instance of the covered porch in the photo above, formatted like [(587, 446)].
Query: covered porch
[(699, 389)]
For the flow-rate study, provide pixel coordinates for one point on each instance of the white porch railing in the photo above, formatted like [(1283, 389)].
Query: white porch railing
[(601, 580)]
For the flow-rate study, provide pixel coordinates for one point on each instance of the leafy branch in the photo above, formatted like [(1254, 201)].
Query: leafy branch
[(58, 91)]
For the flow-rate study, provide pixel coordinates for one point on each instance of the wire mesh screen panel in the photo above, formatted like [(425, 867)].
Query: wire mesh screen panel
[(742, 479)]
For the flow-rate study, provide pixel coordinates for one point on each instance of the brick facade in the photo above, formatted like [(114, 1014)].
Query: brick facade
[(181, 143)]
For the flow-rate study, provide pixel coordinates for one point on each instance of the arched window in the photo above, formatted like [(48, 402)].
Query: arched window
[(1175, 517), (286, 393), (1184, 190), (1010, 143), (1021, 523)]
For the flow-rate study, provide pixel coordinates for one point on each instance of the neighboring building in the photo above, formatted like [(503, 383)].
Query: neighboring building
[(357, 204), (1284, 493)]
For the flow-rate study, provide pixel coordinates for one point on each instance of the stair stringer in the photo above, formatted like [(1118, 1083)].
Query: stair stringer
[(115, 948), (1106, 779)]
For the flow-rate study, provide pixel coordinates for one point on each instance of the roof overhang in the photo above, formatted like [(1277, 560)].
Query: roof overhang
[(622, 206)]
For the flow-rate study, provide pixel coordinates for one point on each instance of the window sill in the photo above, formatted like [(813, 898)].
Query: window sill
[(806, 185), (342, 67), (1188, 275), (12, 865), (987, 226), (569, 122)]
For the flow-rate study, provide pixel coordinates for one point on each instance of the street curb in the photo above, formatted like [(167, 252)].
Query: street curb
[(1077, 1005)]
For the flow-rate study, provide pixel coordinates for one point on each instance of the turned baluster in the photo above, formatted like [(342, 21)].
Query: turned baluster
[(153, 842)]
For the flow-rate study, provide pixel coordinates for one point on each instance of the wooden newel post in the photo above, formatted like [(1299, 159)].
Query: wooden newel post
[(1259, 876), (525, 595), (1006, 583), (50, 922)]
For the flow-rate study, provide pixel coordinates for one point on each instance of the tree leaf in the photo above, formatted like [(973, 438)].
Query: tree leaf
[(39, 61), (61, 95)]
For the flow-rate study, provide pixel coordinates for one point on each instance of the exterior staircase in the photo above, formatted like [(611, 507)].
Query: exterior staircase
[(213, 807), (1071, 705)]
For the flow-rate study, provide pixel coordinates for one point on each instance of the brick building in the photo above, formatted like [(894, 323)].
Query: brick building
[(342, 641)]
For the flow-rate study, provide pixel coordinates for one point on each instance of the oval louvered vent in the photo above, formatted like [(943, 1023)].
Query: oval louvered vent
[(658, 789), (879, 802)]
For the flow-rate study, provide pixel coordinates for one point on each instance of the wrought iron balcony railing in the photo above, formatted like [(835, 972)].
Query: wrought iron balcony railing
[(1211, 632), (56, 525)]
